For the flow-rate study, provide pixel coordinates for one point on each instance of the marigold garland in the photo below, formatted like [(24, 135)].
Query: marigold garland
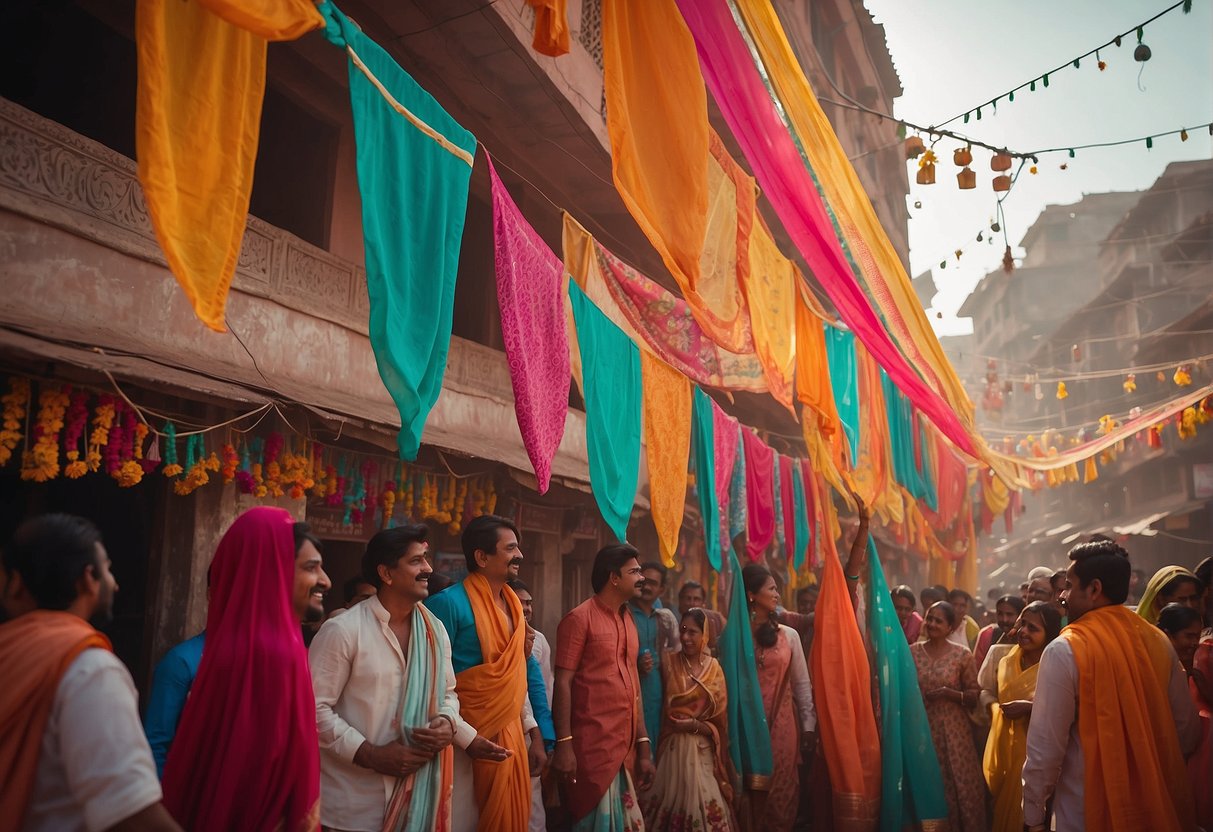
[(15, 402), (40, 462)]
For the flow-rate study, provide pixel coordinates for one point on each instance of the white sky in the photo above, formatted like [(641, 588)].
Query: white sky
[(955, 54)]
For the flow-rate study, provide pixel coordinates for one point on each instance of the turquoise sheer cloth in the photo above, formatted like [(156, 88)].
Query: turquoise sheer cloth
[(900, 415), (844, 380), (749, 735), (911, 782), (703, 438), (414, 198), (802, 514), (610, 374)]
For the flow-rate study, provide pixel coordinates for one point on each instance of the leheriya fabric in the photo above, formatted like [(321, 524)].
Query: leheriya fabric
[(197, 124), (749, 735), (667, 436), (736, 86), (414, 164), (530, 280), (610, 369), (703, 436), (911, 783), (760, 495)]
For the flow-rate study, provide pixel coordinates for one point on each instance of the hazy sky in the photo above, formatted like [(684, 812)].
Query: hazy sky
[(955, 54)]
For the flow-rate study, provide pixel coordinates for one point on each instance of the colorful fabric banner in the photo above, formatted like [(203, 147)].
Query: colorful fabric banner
[(551, 27), (811, 514), (703, 435), (413, 173), (530, 280), (760, 495), (610, 368), (784, 530), (197, 124), (844, 383), (801, 515), (771, 292), (906, 469), (749, 735), (667, 434), (737, 497), (813, 387), (789, 469), (654, 317), (725, 434), (737, 87), (912, 786)]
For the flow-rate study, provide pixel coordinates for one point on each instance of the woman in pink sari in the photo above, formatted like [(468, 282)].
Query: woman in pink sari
[(246, 756)]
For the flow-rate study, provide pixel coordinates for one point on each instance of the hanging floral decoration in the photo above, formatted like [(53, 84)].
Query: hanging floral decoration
[(40, 462), (15, 402), (77, 420), (1183, 376), (1130, 384)]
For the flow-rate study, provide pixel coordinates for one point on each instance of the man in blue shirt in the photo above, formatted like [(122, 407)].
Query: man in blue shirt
[(171, 683), (657, 629)]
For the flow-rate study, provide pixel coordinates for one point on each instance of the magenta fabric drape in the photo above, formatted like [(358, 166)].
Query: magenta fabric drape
[(529, 277), (760, 495), (730, 74), (725, 438)]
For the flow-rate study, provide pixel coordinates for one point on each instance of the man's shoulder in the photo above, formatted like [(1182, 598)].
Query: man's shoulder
[(450, 602), (96, 669)]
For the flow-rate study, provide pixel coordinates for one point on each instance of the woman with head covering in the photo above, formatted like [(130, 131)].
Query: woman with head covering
[(246, 756), (694, 784), (948, 680), (1007, 746), (1183, 626), (1170, 585)]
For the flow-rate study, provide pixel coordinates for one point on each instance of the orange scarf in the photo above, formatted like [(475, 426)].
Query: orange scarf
[(491, 696), (35, 651), (1135, 775)]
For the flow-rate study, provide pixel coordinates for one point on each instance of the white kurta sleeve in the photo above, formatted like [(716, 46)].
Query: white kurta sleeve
[(802, 683)]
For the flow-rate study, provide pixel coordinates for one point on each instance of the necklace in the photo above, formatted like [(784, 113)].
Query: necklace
[(762, 656), (695, 674)]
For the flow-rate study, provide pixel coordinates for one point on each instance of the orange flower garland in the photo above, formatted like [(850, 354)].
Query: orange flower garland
[(15, 402), (41, 462), (103, 420)]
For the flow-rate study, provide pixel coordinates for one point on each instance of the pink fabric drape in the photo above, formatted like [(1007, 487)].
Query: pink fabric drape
[(729, 71), (788, 468), (760, 495), (725, 438), (529, 277)]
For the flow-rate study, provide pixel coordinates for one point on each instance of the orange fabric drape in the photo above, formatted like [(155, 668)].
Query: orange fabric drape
[(871, 474), (812, 367), (197, 122), (1135, 774), (491, 696), (667, 437), (770, 293), (35, 651), (842, 690), (551, 27)]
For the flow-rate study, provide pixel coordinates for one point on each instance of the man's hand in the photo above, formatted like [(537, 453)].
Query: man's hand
[(645, 771), (483, 749), (1017, 708), (394, 759), (645, 663), (536, 757), (436, 737), (564, 762)]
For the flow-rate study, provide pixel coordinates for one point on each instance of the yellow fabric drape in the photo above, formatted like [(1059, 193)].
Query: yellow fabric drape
[(1148, 607), (667, 436), (995, 494), (198, 117), (770, 292), (551, 27), (1007, 747), (812, 367)]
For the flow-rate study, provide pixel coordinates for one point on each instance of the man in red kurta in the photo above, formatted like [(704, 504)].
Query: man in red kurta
[(600, 736)]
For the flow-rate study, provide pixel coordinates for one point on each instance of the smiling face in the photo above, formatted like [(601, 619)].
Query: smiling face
[(689, 598), (1185, 641), (409, 578), (766, 599), (311, 583), (1077, 599), (502, 563), (1185, 594), (653, 585), (1040, 589), (936, 623), (904, 608), (1030, 632), (630, 579), (690, 634), (1005, 615)]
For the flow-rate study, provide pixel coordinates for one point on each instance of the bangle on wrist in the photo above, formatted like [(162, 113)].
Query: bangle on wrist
[(569, 738), (643, 739)]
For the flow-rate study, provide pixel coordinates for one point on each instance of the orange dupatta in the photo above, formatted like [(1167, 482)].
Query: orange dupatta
[(491, 696), (1135, 774), (35, 651)]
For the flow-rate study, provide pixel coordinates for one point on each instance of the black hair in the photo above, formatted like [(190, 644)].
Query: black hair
[(931, 594), (660, 568), (350, 588), (1106, 561), (439, 582), (701, 618), (947, 610), (481, 534), (805, 590), (1173, 586), (1013, 600), (960, 593), (754, 577), (303, 534), (693, 585), (50, 553), (1049, 616), (1058, 580), (1176, 617), (904, 591), (387, 547), (518, 586), (609, 561), (1204, 571)]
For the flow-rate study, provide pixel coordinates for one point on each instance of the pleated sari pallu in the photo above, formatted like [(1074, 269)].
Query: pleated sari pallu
[(422, 801), (694, 784), (1007, 747), (491, 695)]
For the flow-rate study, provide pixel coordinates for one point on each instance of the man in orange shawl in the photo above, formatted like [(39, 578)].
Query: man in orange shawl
[(72, 750), (484, 620), (1112, 717)]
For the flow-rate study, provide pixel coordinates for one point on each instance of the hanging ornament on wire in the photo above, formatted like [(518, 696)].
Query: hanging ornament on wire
[(926, 168), (1183, 376), (1008, 261), (1130, 384), (1061, 390)]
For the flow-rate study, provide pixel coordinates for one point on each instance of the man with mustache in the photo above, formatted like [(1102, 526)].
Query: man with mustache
[(488, 631), (386, 709)]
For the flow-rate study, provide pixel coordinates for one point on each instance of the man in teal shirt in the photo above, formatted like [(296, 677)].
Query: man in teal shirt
[(657, 629)]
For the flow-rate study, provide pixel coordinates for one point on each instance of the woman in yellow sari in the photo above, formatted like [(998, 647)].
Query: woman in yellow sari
[(693, 788), (1170, 585), (1007, 746)]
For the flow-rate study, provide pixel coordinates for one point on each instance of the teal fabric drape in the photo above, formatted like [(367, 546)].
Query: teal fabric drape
[(928, 475), (610, 374), (912, 785), (703, 438), (801, 508), (844, 380), (749, 735), (414, 197), (900, 416)]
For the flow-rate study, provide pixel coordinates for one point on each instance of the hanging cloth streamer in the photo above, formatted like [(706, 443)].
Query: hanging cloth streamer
[(667, 434), (530, 279), (844, 381), (414, 165), (551, 27), (704, 438), (760, 495), (197, 125), (611, 385)]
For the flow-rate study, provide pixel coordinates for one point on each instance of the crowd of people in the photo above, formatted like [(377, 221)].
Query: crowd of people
[(426, 705)]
